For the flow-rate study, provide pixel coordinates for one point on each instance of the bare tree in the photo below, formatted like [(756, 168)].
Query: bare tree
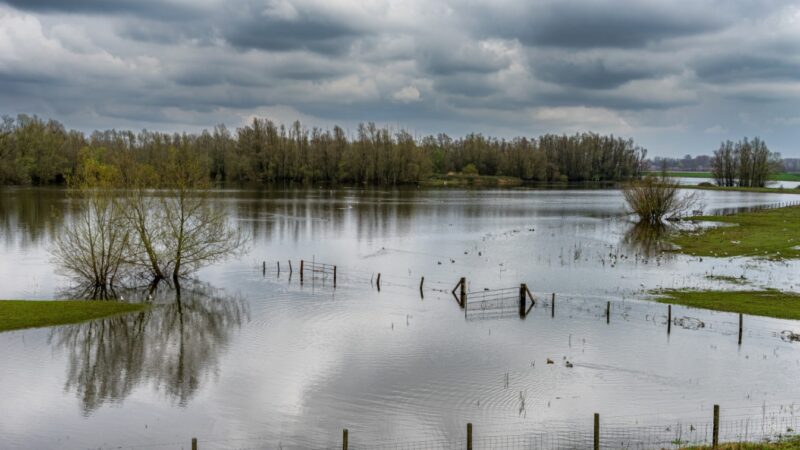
[(654, 199), (92, 246)]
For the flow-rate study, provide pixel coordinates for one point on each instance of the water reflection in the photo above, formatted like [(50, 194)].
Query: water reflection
[(648, 240), (174, 346)]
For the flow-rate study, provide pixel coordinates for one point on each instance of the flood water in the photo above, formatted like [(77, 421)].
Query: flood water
[(257, 360)]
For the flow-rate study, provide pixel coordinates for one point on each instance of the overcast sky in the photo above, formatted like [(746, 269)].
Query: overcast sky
[(676, 76)]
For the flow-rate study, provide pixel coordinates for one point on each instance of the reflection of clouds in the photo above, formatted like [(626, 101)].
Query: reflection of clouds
[(174, 346)]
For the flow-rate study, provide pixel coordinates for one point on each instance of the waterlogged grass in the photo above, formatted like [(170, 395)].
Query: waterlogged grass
[(789, 443), (462, 180), (727, 279), (785, 176), (18, 314), (768, 303), (771, 233)]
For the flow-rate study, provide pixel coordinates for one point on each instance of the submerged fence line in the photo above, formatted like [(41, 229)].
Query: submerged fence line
[(741, 209), (510, 301)]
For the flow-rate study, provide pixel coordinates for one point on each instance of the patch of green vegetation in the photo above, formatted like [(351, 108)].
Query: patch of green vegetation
[(770, 233), (788, 443), (769, 303), (18, 314), (784, 176), (462, 180), (727, 279)]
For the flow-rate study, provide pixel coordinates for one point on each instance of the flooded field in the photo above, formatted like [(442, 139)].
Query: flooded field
[(255, 359)]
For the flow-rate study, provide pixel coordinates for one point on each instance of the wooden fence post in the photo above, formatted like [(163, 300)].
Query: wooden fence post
[(421, 282), (290, 267), (463, 283), (715, 432), (301, 271), (608, 312), (469, 436), (194, 443), (669, 319), (344, 439), (741, 319), (279, 268), (378, 282), (553, 306), (264, 268), (596, 431), (522, 292), (334, 276)]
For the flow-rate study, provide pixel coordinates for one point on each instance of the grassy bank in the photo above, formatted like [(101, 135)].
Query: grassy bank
[(462, 180), (771, 233), (789, 443), (769, 303), (18, 314), (785, 176)]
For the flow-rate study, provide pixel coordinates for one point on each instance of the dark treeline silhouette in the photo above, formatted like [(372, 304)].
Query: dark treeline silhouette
[(37, 151)]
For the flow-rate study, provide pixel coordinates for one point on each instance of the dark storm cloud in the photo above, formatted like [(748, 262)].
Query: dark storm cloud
[(591, 24), (145, 8), (729, 68), (301, 29), (592, 74)]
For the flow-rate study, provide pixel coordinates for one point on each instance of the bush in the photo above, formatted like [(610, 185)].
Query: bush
[(470, 169), (654, 199), (706, 184)]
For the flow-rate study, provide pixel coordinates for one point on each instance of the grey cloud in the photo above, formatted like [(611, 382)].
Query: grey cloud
[(593, 24), (730, 68), (309, 30), (145, 8), (592, 74)]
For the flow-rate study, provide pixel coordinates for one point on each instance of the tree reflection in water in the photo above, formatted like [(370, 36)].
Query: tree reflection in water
[(174, 345), (648, 240)]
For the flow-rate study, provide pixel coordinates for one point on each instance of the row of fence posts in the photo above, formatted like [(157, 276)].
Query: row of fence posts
[(462, 297), (595, 434), (523, 312), (302, 271)]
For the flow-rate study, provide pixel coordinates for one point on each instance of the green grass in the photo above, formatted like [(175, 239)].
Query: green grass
[(18, 314), (789, 443), (771, 234), (768, 303), (784, 176)]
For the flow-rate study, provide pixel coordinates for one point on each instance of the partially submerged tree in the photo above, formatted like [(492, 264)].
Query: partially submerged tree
[(654, 199), (92, 247), (123, 228), (195, 232)]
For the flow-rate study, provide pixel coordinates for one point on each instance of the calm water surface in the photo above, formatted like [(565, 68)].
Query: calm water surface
[(254, 359)]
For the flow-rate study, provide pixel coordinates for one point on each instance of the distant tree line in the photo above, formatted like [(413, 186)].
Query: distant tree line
[(746, 163), (689, 163), (36, 151)]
